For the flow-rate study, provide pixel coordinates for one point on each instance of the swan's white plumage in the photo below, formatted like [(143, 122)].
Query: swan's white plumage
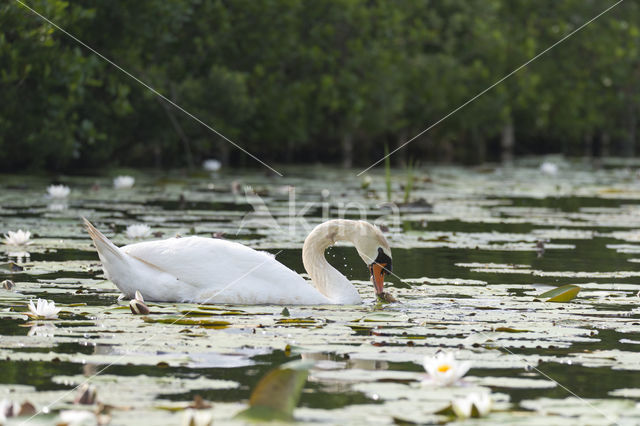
[(208, 270), (223, 271)]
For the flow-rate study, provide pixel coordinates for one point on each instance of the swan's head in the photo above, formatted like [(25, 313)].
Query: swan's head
[(374, 250)]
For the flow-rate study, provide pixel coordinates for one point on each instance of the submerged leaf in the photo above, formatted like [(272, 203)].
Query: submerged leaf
[(564, 293)]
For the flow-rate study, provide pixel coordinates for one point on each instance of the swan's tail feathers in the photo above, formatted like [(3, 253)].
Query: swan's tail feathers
[(108, 251)]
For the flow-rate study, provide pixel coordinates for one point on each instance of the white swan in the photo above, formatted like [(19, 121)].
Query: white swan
[(208, 270)]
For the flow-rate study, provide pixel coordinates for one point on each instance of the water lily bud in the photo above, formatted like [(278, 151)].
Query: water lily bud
[(27, 409), (8, 284), (86, 395), (366, 182), (138, 307)]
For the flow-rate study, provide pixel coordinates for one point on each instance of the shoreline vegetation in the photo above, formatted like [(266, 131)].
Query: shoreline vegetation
[(321, 82)]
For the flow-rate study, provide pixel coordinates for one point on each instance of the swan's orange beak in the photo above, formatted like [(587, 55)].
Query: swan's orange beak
[(377, 276)]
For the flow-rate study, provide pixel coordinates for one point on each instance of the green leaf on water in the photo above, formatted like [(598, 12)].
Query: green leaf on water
[(510, 330), (195, 313), (360, 327), (277, 393), (204, 313), (447, 411), (380, 317), (296, 321), (188, 321), (564, 293)]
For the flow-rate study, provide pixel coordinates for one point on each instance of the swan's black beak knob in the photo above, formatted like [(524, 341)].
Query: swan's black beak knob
[(378, 269)]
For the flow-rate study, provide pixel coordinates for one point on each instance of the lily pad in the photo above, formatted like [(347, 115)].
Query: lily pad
[(188, 321), (564, 293), (277, 394)]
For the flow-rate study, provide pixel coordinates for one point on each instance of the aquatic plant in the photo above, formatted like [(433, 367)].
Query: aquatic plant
[(17, 238), (138, 231), (473, 405), (43, 309), (444, 369), (193, 417), (9, 408), (137, 305), (549, 168), (123, 182), (277, 394), (211, 165), (365, 182), (408, 186), (76, 417), (58, 191), (387, 172), (486, 292), (86, 395), (7, 285)]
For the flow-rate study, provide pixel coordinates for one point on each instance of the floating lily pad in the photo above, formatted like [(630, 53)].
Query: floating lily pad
[(470, 272), (564, 293), (277, 394), (188, 321)]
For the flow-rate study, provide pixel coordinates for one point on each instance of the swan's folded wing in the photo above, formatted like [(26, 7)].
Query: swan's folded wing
[(210, 263)]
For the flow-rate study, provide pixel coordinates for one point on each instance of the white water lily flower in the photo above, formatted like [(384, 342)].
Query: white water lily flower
[(286, 189), (211, 165), (77, 417), (138, 231), (549, 168), (236, 187), (463, 407), (444, 370), (44, 309), (197, 418), (18, 238), (58, 191), (123, 182)]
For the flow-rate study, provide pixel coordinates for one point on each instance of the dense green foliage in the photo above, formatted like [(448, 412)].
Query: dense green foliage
[(331, 81)]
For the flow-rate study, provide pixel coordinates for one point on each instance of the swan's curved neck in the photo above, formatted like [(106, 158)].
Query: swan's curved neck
[(325, 277)]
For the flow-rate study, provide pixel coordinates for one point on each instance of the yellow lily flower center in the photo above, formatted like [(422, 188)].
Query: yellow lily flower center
[(444, 368)]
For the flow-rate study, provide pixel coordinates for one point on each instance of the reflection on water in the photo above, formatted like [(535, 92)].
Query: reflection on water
[(19, 256), (42, 330)]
